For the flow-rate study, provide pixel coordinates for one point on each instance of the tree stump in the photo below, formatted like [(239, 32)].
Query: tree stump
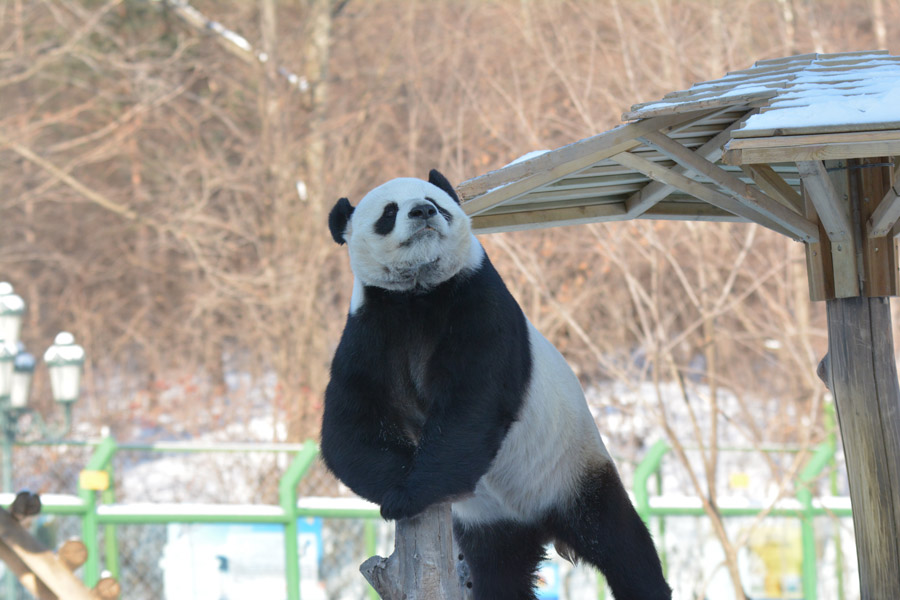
[(425, 564)]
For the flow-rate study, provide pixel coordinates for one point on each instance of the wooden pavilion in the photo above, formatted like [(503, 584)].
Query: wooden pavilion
[(806, 146)]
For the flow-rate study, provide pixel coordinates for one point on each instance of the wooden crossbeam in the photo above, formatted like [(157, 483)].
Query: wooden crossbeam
[(497, 187), (888, 212), (656, 191), (698, 190), (826, 147), (831, 209), (774, 185), (759, 203), (533, 219), (603, 213)]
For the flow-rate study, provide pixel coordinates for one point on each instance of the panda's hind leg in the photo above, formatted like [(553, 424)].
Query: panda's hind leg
[(601, 526), (502, 557)]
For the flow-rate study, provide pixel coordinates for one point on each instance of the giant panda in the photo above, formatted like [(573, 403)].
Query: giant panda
[(442, 390)]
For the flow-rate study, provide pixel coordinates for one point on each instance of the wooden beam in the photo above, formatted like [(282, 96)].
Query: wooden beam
[(698, 190), (888, 212), (656, 191), (832, 210), (536, 219), (40, 561), (495, 188), (775, 186), (863, 380), (604, 213), (819, 265), (824, 151), (28, 580), (814, 139), (869, 179), (754, 199)]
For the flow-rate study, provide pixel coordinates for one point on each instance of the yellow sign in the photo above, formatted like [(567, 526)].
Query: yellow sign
[(93, 480), (739, 481)]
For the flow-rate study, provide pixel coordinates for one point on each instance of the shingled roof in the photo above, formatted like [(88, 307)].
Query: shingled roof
[(731, 149)]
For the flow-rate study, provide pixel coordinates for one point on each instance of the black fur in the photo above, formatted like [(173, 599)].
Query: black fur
[(424, 387), (435, 177), (503, 558), (338, 218), (600, 526), (385, 223)]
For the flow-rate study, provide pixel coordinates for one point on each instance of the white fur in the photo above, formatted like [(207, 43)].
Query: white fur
[(546, 450), (409, 257)]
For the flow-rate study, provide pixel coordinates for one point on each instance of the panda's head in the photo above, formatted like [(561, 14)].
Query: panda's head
[(406, 234)]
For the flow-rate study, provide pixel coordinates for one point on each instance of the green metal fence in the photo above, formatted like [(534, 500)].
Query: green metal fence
[(804, 506), (99, 514), (95, 505)]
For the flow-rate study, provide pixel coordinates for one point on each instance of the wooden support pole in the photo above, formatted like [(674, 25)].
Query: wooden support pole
[(424, 563), (864, 383), (862, 372)]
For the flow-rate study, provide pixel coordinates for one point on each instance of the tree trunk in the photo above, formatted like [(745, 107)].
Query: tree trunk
[(425, 564)]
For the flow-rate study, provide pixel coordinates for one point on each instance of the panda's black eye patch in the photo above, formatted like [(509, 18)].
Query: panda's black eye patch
[(444, 212), (385, 223)]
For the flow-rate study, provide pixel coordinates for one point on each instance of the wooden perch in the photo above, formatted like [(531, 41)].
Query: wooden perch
[(425, 564), (44, 575)]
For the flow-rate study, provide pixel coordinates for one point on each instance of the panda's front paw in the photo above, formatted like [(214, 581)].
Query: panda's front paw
[(398, 504)]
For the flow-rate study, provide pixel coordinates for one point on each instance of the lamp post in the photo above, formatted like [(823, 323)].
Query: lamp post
[(64, 360)]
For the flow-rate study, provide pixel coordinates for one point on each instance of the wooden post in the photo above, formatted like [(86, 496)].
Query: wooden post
[(864, 383), (424, 563), (862, 376)]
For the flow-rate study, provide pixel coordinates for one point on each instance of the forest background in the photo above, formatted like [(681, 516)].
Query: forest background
[(164, 193)]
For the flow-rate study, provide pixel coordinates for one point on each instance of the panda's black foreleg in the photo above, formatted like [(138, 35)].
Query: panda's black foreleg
[(602, 527), (502, 558)]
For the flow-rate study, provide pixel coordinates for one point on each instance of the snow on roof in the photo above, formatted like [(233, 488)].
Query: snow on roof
[(800, 94)]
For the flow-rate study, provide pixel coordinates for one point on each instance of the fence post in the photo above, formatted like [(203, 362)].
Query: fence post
[(823, 454), (287, 497), (99, 461), (642, 473)]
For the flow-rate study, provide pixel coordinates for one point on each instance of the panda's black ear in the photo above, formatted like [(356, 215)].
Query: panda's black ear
[(338, 218), (437, 178)]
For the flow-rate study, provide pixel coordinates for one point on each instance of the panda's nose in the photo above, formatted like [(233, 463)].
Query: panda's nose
[(423, 211)]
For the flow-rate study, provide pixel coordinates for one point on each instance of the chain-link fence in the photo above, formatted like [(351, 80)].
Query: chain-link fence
[(177, 559)]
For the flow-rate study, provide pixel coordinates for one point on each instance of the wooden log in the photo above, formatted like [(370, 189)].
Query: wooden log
[(423, 565), (863, 378), (107, 589), (32, 584), (40, 561), (72, 554)]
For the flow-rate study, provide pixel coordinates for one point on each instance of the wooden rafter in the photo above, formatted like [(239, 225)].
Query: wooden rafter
[(888, 212), (498, 187), (755, 200), (822, 193), (697, 189), (656, 191), (775, 186)]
